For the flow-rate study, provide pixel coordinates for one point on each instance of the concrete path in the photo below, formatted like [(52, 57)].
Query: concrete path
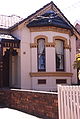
[(6, 113)]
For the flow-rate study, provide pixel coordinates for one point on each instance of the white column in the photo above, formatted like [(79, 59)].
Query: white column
[(25, 66), (50, 59), (34, 60), (67, 60)]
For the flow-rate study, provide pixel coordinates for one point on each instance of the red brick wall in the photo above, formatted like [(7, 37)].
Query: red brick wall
[(37, 103)]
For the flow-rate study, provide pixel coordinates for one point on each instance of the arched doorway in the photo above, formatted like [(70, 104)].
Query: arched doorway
[(9, 61), (7, 66)]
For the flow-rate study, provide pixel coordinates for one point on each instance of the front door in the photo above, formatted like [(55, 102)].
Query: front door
[(6, 69), (9, 68)]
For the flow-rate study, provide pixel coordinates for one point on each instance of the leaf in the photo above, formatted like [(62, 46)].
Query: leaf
[(76, 64)]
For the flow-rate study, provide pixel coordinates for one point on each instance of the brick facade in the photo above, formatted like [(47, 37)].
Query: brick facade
[(36, 103)]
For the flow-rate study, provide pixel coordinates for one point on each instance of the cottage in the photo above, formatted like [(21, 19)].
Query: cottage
[(38, 52)]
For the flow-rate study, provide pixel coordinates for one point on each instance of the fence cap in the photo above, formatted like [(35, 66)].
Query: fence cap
[(35, 91)]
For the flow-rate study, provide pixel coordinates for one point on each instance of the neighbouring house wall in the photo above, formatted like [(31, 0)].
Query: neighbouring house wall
[(77, 26), (77, 46), (43, 104)]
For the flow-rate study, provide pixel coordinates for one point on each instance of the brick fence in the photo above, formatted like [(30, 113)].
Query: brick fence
[(42, 104)]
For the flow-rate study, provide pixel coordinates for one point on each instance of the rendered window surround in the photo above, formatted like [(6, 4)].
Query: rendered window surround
[(50, 44), (66, 45), (47, 44)]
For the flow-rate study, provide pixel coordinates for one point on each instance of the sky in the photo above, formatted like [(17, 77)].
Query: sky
[(23, 8)]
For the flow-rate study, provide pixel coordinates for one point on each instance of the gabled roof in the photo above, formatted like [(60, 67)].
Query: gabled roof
[(50, 18), (44, 9)]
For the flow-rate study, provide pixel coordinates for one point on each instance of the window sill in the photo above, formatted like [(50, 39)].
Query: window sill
[(51, 74)]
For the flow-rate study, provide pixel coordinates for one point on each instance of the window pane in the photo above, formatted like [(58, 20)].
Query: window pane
[(41, 59), (59, 62), (41, 46), (41, 55), (59, 47), (59, 55)]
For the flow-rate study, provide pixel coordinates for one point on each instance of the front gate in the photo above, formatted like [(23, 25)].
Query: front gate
[(69, 102)]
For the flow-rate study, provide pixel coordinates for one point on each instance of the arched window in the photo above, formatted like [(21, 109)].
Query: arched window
[(41, 54), (59, 55)]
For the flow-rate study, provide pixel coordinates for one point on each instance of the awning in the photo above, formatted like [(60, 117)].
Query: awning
[(8, 40)]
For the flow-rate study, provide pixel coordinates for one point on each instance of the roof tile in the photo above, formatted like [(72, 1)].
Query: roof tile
[(9, 21)]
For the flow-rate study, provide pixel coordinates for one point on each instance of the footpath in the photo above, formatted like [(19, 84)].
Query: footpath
[(6, 113)]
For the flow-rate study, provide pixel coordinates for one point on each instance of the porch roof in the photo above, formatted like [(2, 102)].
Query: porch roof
[(6, 36), (9, 41)]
